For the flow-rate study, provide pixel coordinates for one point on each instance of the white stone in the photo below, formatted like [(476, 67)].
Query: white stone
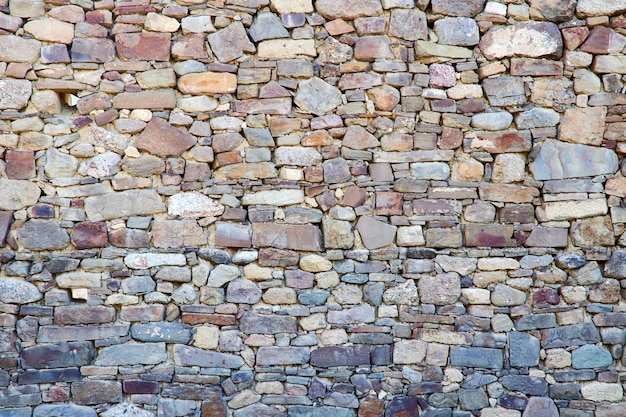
[(476, 295), (566, 210), (291, 6), (407, 352), (193, 204), (601, 391), (159, 23), (284, 197), (18, 194), (103, 165), (149, 260)]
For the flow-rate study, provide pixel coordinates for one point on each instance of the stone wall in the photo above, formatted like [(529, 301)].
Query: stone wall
[(305, 208)]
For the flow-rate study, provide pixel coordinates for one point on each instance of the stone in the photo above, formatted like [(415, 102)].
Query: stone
[(537, 117), (91, 392), (492, 121), (208, 83), (15, 291), (591, 356), (442, 289), (458, 7), (154, 99), (476, 357), (43, 235), (603, 40), (162, 139), (87, 235), (243, 291), (558, 160), (595, 231), (107, 139), (58, 355), (600, 8), (601, 391), (409, 24), (191, 356), (540, 39), (132, 354), (317, 97), (442, 75), (17, 49), (375, 234), (336, 171), (589, 133), (573, 335), (126, 410), (126, 203), (15, 93), (403, 294), (267, 26), (58, 410), (407, 352), (50, 30), (272, 355), (504, 91), (370, 48), (523, 350), (348, 10), (160, 332), (146, 46), (193, 204), (231, 42), (458, 31)]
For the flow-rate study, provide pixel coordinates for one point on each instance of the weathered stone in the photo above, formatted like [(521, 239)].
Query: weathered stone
[(600, 8), (190, 356), (193, 204), (43, 235), (132, 354), (523, 349), (574, 335), (126, 203), (147, 46), (154, 99), (476, 357), (460, 31), (537, 117), (271, 355), (375, 234), (243, 291), (160, 138), (60, 355), (591, 356), (256, 323), (307, 238), (458, 7), (588, 133), (557, 160), (231, 42), (601, 391), (95, 392), (505, 91), (208, 83), (409, 24), (349, 10), (317, 97), (15, 291), (526, 39), (160, 332), (14, 93)]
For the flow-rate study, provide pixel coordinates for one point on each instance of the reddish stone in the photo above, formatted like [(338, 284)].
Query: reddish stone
[(232, 235), (326, 200), (96, 50), (189, 47), (317, 138), (354, 197), (607, 292), (130, 238), (278, 257), (6, 218), (494, 235), (498, 142), (213, 409), (97, 101), (450, 138), (282, 126), (154, 100), (403, 407), (546, 296), (143, 313), (389, 204), (89, 235), (84, 315), (140, 387), (574, 37), (228, 158), (299, 279), (20, 165), (548, 237), (202, 318), (517, 213), (282, 236), (603, 40), (17, 69), (146, 46), (263, 106), (162, 139), (423, 207), (371, 407), (313, 174), (359, 80), (507, 193), (381, 171), (106, 117), (370, 48), (470, 105), (536, 67)]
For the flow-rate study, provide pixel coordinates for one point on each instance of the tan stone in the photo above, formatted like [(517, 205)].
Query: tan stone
[(291, 6), (286, 48), (208, 83), (584, 125), (50, 30)]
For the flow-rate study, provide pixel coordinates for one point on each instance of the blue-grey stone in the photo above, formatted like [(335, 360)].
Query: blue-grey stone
[(572, 260), (513, 401), (267, 324), (276, 355), (613, 336), (373, 293), (615, 267), (140, 284), (476, 357), (355, 278), (533, 261), (437, 412), (259, 410), (16, 412), (477, 380), (489, 340), (307, 411), (565, 392), (558, 160), (574, 335), (132, 354), (62, 410), (313, 297), (160, 332), (591, 356), (191, 356), (536, 321), (540, 407), (473, 399), (444, 399), (529, 385), (523, 349), (572, 376)]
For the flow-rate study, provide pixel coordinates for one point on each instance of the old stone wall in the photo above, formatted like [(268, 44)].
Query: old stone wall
[(304, 208)]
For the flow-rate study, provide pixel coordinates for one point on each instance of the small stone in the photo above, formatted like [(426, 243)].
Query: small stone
[(505, 296), (87, 235), (243, 291), (91, 392), (370, 48), (409, 24), (375, 234), (15, 93), (442, 75), (162, 139), (442, 289), (458, 7), (348, 10), (537, 117), (492, 121), (208, 83)]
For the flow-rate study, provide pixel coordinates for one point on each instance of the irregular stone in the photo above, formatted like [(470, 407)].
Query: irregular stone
[(14, 94), (505, 91), (407, 352), (603, 40), (523, 350), (537, 117), (193, 204), (59, 355), (317, 97), (492, 121), (43, 235), (574, 335), (375, 234), (267, 26), (589, 133), (459, 31), (125, 203), (93, 50), (528, 385), (526, 39), (348, 10), (160, 332), (102, 165), (146, 46), (18, 49), (231, 42), (50, 30), (458, 7), (442, 289), (600, 8), (370, 48), (558, 160), (243, 291), (591, 356), (409, 24), (162, 139)]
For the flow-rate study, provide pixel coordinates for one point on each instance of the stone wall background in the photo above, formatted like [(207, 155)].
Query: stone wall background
[(337, 208)]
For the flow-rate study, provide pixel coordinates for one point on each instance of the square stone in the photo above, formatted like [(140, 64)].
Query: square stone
[(20, 165)]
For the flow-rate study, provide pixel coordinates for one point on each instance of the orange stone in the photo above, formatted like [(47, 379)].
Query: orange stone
[(208, 83)]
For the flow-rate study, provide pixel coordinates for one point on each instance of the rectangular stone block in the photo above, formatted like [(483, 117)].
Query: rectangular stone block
[(330, 356), (548, 237), (536, 67), (192, 392), (274, 355), (59, 355), (498, 142), (574, 335), (506, 193), (152, 100), (267, 324), (49, 334), (146, 46), (303, 238), (49, 376), (83, 315), (143, 313), (232, 235), (492, 235), (476, 357), (20, 396), (91, 392)]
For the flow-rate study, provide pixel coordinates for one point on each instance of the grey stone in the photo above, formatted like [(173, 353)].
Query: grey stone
[(43, 235), (222, 274), (132, 354), (505, 91), (505, 296), (267, 26), (558, 160), (190, 356), (95, 392), (541, 407), (267, 324), (460, 31), (63, 410), (409, 24), (307, 411), (185, 294), (127, 410), (336, 171), (615, 267), (274, 355), (528, 385), (20, 412), (160, 332), (59, 164), (317, 96), (375, 234), (243, 291), (535, 39), (14, 94), (258, 410), (473, 399), (313, 297), (348, 9), (476, 357), (18, 194), (469, 8), (536, 321), (123, 204), (58, 355), (574, 335), (16, 291), (492, 121), (231, 42), (591, 356), (537, 117), (139, 284)]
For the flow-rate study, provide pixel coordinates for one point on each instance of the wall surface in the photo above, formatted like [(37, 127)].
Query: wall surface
[(312, 208)]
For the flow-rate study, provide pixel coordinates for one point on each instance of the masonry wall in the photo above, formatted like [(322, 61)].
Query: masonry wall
[(294, 208)]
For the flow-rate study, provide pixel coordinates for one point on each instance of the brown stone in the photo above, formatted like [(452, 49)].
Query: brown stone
[(451, 138), (499, 142), (371, 406), (97, 50), (348, 9), (354, 197), (97, 101), (177, 233), (304, 238), (142, 313), (6, 219), (263, 106), (574, 37), (18, 49), (231, 42), (145, 46), (359, 80), (208, 83), (357, 137), (154, 100), (370, 48), (20, 165), (607, 292), (317, 138), (492, 235), (162, 139), (278, 257), (189, 47), (594, 231), (507, 193), (84, 315), (517, 213), (603, 40), (389, 204), (213, 409), (374, 233), (547, 237), (536, 67), (130, 238), (87, 235), (583, 125), (232, 235)]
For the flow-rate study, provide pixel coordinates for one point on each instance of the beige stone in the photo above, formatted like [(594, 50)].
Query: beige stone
[(315, 263), (407, 352), (558, 358), (291, 6), (602, 391), (286, 48), (208, 83), (206, 337), (50, 30)]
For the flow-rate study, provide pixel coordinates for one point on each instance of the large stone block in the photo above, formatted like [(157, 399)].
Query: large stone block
[(330, 356), (59, 355), (91, 392)]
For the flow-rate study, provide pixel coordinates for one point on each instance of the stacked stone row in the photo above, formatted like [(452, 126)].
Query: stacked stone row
[(302, 208)]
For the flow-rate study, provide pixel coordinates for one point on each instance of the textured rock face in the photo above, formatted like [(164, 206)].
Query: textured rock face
[(274, 208)]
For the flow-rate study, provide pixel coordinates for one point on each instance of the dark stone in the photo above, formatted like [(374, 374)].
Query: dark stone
[(329, 356), (6, 219), (57, 265), (381, 355), (60, 355), (307, 411), (573, 260), (574, 335), (536, 321), (425, 388), (89, 235), (473, 399), (140, 387), (192, 392), (90, 392), (615, 267), (525, 384), (254, 410), (161, 332), (572, 376), (313, 297), (476, 380), (523, 350), (50, 376), (43, 235), (476, 357), (565, 392), (63, 410), (266, 324), (402, 407), (513, 401)]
